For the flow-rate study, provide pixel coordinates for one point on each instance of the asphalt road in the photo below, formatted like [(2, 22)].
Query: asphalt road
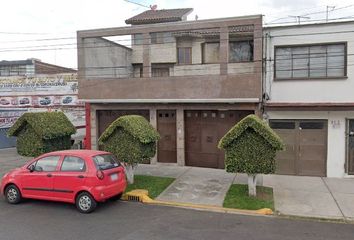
[(38, 220)]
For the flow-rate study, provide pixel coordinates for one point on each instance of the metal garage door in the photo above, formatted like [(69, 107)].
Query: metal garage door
[(166, 126), (306, 147), (203, 130), (6, 142)]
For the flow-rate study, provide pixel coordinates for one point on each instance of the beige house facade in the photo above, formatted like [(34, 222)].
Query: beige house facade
[(193, 80)]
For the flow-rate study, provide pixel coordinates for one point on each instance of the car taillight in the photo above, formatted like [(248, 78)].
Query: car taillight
[(100, 174)]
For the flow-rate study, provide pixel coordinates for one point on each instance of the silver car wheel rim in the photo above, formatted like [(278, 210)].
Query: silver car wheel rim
[(12, 194), (85, 203)]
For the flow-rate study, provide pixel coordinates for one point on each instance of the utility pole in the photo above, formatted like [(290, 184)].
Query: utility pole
[(328, 9)]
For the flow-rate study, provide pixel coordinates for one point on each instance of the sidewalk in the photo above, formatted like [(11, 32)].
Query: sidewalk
[(317, 197), (329, 198)]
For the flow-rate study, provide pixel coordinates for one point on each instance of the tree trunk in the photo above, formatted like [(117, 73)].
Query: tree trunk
[(252, 183), (129, 171)]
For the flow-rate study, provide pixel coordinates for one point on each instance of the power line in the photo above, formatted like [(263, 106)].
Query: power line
[(94, 45)]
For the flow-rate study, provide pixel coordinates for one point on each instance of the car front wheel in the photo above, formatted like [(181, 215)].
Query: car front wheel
[(85, 203), (12, 194)]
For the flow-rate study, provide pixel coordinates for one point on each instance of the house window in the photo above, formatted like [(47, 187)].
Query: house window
[(184, 55), (160, 72), (161, 37), (241, 51), (14, 70), (210, 52), (138, 39), (310, 61)]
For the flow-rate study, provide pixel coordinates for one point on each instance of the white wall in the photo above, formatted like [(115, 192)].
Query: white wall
[(321, 90), (336, 145)]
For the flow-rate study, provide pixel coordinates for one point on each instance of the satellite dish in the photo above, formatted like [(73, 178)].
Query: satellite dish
[(153, 7)]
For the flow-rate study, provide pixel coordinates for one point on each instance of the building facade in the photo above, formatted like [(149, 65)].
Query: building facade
[(32, 85), (308, 96), (193, 80)]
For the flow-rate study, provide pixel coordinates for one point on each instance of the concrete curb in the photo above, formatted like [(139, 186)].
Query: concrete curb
[(141, 195), (318, 219)]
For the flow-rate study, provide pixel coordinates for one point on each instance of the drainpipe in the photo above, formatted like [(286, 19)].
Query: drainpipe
[(88, 126)]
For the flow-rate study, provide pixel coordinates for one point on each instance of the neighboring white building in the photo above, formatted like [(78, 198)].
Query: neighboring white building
[(309, 96)]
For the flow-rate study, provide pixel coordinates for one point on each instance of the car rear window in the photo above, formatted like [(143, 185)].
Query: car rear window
[(106, 161)]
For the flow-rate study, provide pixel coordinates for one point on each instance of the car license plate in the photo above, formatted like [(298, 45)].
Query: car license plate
[(114, 177)]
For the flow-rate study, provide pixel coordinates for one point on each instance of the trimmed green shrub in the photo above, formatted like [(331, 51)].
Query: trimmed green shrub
[(250, 147), (42, 132), (131, 138)]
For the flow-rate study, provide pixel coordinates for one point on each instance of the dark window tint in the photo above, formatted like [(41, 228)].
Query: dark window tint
[(46, 164), (105, 161), (311, 125), (241, 51), (282, 125), (73, 164)]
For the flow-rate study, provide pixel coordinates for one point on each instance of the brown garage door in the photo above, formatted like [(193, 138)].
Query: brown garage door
[(203, 130), (106, 117), (306, 147), (166, 126)]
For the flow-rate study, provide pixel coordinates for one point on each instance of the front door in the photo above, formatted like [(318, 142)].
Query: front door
[(166, 126), (350, 148)]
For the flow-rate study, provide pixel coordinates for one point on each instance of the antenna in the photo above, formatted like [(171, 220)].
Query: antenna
[(328, 9), (142, 5), (298, 18)]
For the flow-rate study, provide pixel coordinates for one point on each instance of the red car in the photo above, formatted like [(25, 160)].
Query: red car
[(82, 177)]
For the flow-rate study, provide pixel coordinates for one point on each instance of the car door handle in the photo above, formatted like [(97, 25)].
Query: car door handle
[(80, 176), (49, 175)]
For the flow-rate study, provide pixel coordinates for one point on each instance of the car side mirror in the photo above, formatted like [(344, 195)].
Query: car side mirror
[(31, 168)]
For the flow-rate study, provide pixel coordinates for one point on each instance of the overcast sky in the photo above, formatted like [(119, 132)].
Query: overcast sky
[(36, 20)]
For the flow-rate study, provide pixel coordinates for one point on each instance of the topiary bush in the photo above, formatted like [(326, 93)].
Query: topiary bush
[(250, 147), (132, 139), (42, 132)]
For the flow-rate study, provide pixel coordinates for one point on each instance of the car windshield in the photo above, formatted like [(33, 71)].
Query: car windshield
[(106, 161)]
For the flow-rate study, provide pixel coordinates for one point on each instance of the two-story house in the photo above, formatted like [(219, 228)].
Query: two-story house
[(192, 80), (309, 100)]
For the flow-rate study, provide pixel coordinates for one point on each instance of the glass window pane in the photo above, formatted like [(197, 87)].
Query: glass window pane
[(336, 56), (300, 62), (73, 164), (282, 124), (283, 63), (138, 39), (184, 55), (318, 61), (106, 161), (241, 51), (47, 164), (311, 125)]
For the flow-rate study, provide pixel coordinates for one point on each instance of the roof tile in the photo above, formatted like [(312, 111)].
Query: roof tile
[(159, 16)]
